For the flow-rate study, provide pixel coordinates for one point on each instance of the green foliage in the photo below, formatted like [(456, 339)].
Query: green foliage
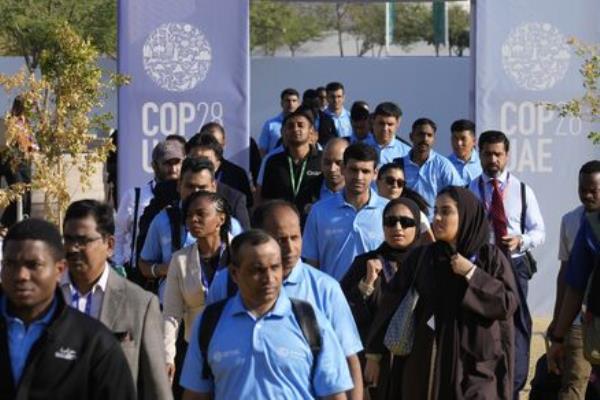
[(55, 135), (366, 24), (458, 29), (413, 24), (587, 106), (27, 26)]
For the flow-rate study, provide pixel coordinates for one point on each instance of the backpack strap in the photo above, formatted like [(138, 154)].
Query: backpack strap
[(231, 286), (307, 319), (208, 324), (174, 214), (136, 209), (523, 207)]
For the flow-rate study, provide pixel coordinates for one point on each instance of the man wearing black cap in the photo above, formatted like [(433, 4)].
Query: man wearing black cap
[(290, 175), (361, 122), (166, 163)]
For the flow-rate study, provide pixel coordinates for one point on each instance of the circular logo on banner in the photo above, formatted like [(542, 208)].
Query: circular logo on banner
[(536, 56), (177, 56)]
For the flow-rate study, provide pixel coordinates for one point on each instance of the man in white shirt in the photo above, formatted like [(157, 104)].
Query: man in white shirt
[(576, 371), (166, 163), (517, 227)]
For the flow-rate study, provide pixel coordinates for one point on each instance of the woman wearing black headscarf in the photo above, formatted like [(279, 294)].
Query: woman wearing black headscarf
[(463, 346), (369, 276)]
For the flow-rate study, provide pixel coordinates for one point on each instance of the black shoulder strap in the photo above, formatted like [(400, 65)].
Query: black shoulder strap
[(231, 286), (174, 214), (523, 207), (305, 315), (136, 209), (208, 324)]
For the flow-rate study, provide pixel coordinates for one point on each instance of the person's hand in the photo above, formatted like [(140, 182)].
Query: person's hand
[(460, 265), (512, 242), (171, 371), (374, 267), (554, 357), (371, 372)]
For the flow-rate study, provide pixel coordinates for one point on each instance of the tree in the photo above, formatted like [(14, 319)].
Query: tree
[(587, 106), (27, 26), (55, 137), (413, 23), (458, 29), (301, 26), (367, 25)]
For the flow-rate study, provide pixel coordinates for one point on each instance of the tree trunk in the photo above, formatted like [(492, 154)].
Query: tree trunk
[(339, 14)]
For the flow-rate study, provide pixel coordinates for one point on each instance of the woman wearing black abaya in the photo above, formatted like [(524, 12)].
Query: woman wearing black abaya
[(463, 347)]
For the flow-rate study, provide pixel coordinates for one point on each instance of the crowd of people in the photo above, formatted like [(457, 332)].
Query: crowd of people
[(348, 263)]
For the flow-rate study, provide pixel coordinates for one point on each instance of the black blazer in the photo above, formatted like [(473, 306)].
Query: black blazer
[(236, 177), (237, 203)]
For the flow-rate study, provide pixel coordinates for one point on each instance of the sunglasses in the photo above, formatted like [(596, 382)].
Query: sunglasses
[(405, 222), (391, 181)]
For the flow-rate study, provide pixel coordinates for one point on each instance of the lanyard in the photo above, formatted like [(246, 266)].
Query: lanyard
[(204, 268), (482, 190), (296, 185), (88, 302)]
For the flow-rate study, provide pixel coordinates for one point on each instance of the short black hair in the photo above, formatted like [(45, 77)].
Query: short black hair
[(252, 237), (37, 229), (388, 109), (177, 138), (334, 86), (289, 92), (388, 167), (361, 152), (463, 125), (424, 121), (205, 140), (359, 111), (102, 213), (493, 137), (262, 212), (195, 165), (302, 111), (321, 89), (590, 167), (209, 126)]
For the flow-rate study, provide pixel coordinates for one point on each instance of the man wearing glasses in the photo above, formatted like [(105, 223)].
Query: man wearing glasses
[(92, 287)]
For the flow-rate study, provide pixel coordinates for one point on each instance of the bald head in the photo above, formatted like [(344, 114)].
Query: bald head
[(331, 163)]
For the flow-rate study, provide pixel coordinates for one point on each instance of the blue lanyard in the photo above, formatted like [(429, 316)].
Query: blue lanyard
[(88, 302)]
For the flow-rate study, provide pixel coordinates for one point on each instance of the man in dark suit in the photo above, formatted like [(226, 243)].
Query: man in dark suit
[(93, 287), (47, 349)]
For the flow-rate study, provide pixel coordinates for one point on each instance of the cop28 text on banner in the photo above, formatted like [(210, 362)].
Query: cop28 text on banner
[(523, 60), (189, 64)]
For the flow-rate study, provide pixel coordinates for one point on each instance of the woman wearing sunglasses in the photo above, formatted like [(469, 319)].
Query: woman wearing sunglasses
[(391, 185), (368, 278), (463, 330)]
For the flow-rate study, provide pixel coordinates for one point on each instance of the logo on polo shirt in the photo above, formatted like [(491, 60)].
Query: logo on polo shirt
[(66, 354), (313, 173)]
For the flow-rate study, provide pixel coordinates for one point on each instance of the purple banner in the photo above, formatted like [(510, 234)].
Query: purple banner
[(189, 64)]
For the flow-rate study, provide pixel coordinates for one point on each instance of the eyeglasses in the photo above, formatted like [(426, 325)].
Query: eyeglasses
[(391, 181), (405, 222), (79, 241)]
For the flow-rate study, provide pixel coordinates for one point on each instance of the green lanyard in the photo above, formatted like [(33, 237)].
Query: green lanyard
[(296, 185)]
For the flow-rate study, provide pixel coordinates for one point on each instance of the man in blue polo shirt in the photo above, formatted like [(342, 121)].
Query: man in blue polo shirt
[(271, 132), (426, 171), (464, 156), (335, 109), (281, 220), (258, 350), (349, 223), (386, 120)]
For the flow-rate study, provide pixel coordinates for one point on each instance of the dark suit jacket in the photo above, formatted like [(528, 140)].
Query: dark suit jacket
[(235, 177), (237, 203)]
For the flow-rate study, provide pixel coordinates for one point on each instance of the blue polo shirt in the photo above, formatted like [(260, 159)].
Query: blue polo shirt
[(335, 232), (387, 154), (431, 177), (584, 253), (341, 122), (265, 358), (271, 133), (467, 170), (21, 337), (320, 290), (325, 192), (354, 139)]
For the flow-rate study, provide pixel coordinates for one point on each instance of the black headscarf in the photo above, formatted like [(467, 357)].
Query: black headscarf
[(387, 251)]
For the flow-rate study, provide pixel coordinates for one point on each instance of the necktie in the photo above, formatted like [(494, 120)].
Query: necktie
[(497, 213)]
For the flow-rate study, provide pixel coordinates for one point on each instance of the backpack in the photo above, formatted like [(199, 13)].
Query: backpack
[(303, 312)]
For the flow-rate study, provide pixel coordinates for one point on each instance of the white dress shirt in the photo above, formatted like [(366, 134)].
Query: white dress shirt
[(89, 303), (124, 221), (510, 188)]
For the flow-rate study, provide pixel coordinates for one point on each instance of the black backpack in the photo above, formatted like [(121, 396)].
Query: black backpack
[(303, 312)]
